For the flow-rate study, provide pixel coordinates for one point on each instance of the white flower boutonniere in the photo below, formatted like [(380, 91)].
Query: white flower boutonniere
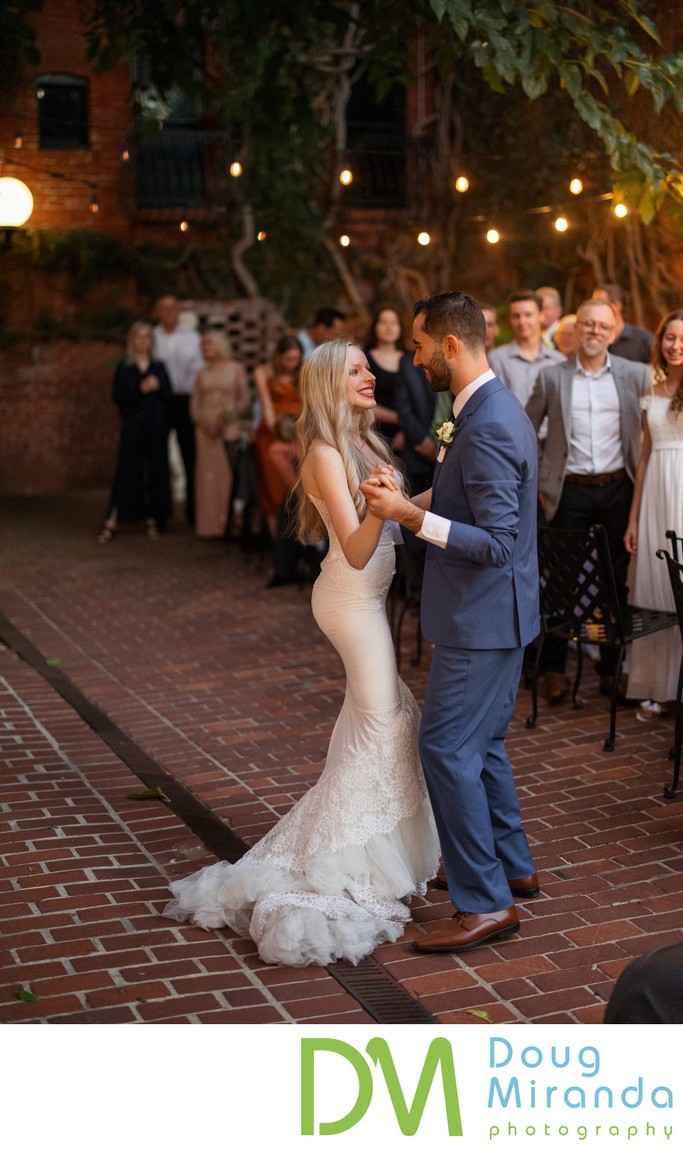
[(446, 433)]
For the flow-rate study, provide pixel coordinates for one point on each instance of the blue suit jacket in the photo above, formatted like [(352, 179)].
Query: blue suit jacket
[(481, 591)]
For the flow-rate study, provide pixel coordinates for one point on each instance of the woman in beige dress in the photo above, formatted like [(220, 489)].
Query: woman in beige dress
[(219, 402)]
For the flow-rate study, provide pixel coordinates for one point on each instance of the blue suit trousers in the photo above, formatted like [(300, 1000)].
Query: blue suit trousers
[(469, 701)]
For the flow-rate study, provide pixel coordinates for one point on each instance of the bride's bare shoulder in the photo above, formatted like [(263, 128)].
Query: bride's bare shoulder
[(321, 461)]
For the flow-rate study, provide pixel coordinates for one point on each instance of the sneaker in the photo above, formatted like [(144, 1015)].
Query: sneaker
[(649, 711)]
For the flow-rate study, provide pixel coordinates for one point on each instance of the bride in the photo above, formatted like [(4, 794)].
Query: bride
[(332, 878)]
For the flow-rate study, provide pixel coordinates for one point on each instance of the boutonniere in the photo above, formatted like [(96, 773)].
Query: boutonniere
[(445, 433)]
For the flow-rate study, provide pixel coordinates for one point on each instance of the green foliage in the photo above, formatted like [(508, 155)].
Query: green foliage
[(591, 51)]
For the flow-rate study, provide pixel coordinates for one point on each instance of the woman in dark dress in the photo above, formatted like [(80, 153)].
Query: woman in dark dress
[(385, 351), (142, 393)]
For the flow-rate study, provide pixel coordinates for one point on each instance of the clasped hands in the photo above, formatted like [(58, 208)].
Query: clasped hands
[(383, 493)]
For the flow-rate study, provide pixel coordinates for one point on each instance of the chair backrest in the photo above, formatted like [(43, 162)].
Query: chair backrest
[(577, 585), (676, 544), (676, 577)]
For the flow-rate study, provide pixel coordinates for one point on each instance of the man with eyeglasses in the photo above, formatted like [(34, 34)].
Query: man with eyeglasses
[(628, 341), (588, 461)]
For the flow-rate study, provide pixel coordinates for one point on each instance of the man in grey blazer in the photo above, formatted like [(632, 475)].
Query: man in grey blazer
[(589, 458)]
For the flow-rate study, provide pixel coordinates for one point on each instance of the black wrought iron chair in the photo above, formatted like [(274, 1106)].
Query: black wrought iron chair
[(579, 602), (676, 577)]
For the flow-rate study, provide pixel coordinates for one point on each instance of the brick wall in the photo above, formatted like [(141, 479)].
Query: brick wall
[(58, 426)]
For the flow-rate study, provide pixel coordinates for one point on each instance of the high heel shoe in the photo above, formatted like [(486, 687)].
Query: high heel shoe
[(107, 534)]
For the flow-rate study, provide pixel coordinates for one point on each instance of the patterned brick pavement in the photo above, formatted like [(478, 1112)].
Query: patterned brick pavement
[(233, 692)]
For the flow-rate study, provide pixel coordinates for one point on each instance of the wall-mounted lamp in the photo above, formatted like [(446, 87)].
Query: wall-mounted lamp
[(16, 205)]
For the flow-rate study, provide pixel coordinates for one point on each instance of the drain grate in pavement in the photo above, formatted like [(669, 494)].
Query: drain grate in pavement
[(378, 993), (368, 983)]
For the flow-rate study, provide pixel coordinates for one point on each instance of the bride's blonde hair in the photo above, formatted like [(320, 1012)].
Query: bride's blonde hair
[(326, 416)]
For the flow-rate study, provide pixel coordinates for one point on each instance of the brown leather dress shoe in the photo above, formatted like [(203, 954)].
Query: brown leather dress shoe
[(464, 931), (527, 887), (555, 686)]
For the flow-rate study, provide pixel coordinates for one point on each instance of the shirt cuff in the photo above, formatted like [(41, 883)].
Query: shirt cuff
[(435, 529)]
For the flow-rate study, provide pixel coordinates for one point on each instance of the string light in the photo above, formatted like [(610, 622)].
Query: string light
[(561, 224), (184, 226), (462, 184), (236, 169), (261, 236), (94, 204), (346, 177), (620, 210), (575, 186), (424, 239), (493, 236), (125, 155), (345, 241), (18, 139)]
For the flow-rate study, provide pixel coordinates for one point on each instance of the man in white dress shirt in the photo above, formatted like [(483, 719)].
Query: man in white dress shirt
[(180, 350), (588, 461)]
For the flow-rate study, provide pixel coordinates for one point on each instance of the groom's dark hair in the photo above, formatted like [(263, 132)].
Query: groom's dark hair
[(453, 313)]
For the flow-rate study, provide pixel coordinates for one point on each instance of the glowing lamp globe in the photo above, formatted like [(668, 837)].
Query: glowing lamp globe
[(16, 202)]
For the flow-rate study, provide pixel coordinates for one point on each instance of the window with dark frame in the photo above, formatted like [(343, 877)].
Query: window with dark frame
[(62, 112)]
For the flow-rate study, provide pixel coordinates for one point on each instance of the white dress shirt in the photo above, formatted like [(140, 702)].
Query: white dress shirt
[(180, 351), (595, 437)]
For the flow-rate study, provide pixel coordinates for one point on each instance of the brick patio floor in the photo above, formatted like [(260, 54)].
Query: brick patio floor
[(232, 691)]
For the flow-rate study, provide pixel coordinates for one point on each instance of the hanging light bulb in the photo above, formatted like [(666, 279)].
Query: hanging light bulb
[(184, 226), (261, 237), (125, 155), (492, 236), (462, 184), (236, 169), (18, 139), (94, 204), (575, 186), (346, 177), (345, 241), (620, 210), (561, 224), (424, 239)]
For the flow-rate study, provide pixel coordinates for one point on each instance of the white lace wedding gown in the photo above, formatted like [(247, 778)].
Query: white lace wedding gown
[(329, 880)]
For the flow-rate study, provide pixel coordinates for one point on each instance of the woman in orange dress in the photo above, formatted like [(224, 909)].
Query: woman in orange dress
[(219, 402), (277, 386)]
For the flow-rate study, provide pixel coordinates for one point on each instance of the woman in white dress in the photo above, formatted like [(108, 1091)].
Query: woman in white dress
[(657, 508), (331, 879)]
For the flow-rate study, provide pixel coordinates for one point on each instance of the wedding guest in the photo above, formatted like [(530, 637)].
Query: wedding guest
[(277, 387), (329, 323), (219, 402), (588, 461), (551, 313), (657, 507), (385, 352), (142, 485), (518, 363), (566, 336), (630, 342), (180, 350)]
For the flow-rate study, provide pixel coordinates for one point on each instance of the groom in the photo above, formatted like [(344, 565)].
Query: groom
[(479, 610)]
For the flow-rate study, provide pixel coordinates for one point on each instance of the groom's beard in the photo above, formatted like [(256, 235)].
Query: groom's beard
[(437, 372)]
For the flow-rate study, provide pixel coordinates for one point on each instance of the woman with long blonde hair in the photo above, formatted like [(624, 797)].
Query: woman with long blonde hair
[(330, 879)]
